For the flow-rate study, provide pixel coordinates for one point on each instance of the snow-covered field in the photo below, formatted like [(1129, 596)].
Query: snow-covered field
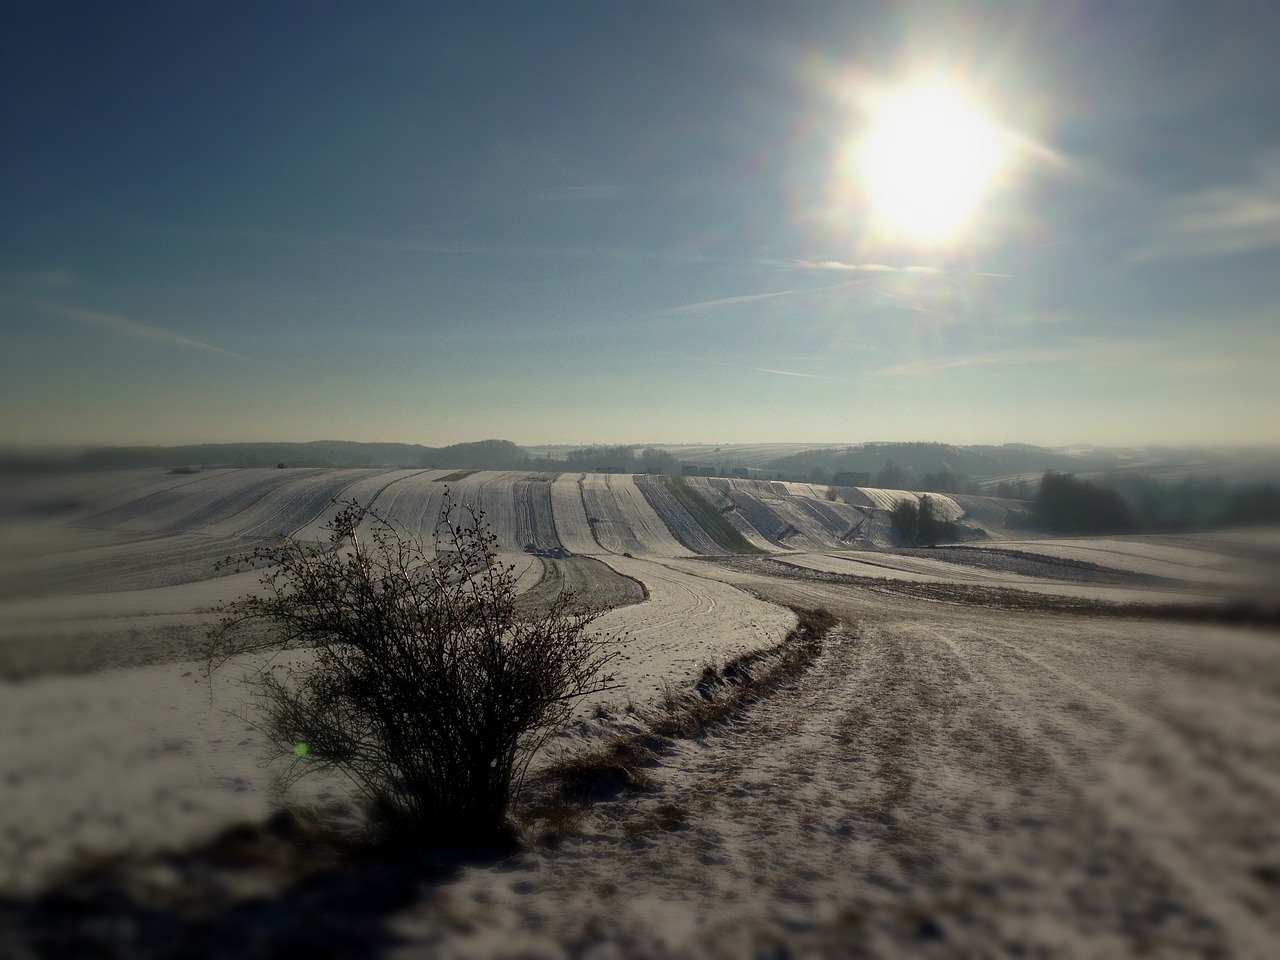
[(951, 777), (952, 785)]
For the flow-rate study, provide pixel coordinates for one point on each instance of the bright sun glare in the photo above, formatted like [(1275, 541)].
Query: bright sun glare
[(929, 157)]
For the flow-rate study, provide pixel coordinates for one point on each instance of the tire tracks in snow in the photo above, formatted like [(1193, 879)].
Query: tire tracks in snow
[(910, 794), (1189, 812)]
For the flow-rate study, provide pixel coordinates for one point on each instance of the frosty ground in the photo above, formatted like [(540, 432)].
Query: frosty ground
[(1015, 746)]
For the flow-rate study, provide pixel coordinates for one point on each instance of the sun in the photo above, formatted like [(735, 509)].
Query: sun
[(928, 158)]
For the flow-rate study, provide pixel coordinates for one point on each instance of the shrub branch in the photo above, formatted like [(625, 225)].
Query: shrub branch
[(421, 681)]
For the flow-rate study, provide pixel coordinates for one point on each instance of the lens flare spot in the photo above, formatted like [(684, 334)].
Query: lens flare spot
[(929, 157)]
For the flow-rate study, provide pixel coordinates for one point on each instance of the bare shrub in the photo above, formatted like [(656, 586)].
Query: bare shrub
[(920, 523), (905, 517), (424, 684)]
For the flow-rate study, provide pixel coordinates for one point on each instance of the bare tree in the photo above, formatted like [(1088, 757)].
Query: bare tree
[(421, 680)]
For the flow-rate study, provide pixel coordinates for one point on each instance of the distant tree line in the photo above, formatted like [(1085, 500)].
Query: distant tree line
[(618, 459), (890, 475), (893, 476), (935, 467), (482, 455), (1128, 503), (1067, 505), (1190, 504), (1015, 490), (478, 455)]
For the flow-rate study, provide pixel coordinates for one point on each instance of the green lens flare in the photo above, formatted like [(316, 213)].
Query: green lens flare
[(299, 749)]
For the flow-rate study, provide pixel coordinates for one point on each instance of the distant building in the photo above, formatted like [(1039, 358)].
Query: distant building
[(739, 473)]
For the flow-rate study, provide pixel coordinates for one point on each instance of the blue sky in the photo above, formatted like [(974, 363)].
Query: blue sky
[(629, 222)]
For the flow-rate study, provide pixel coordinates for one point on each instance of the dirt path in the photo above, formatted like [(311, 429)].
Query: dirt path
[(933, 788)]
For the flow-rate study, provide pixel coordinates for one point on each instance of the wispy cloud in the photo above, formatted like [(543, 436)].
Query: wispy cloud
[(703, 305), (1220, 220), (883, 268), (780, 373), (862, 267), (935, 365), (453, 247), (1178, 353), (120, 325), (578, 193)]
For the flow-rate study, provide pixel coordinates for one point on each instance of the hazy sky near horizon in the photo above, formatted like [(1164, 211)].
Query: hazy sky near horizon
[(632, 222)]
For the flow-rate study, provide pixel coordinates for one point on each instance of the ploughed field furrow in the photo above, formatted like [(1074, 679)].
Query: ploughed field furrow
[(750, 533), (570, 515), (754, 511), (593, 584), (886, 500), (495, 494), (804, 491), (715, 490), (650, 531), (855, 498), (944, 507), (417, 500), (608, 524), (83, 498), (808, 509), (984, 511), (837, 520), (802, 530), (414, 501), (723, 496), (761, 516), (189, 506), (236, 494), (535, 519), (288, 508), (139, 514), (136, 565), (678, 520)]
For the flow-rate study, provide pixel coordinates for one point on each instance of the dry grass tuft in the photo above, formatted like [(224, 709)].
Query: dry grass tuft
[(666, 818)]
